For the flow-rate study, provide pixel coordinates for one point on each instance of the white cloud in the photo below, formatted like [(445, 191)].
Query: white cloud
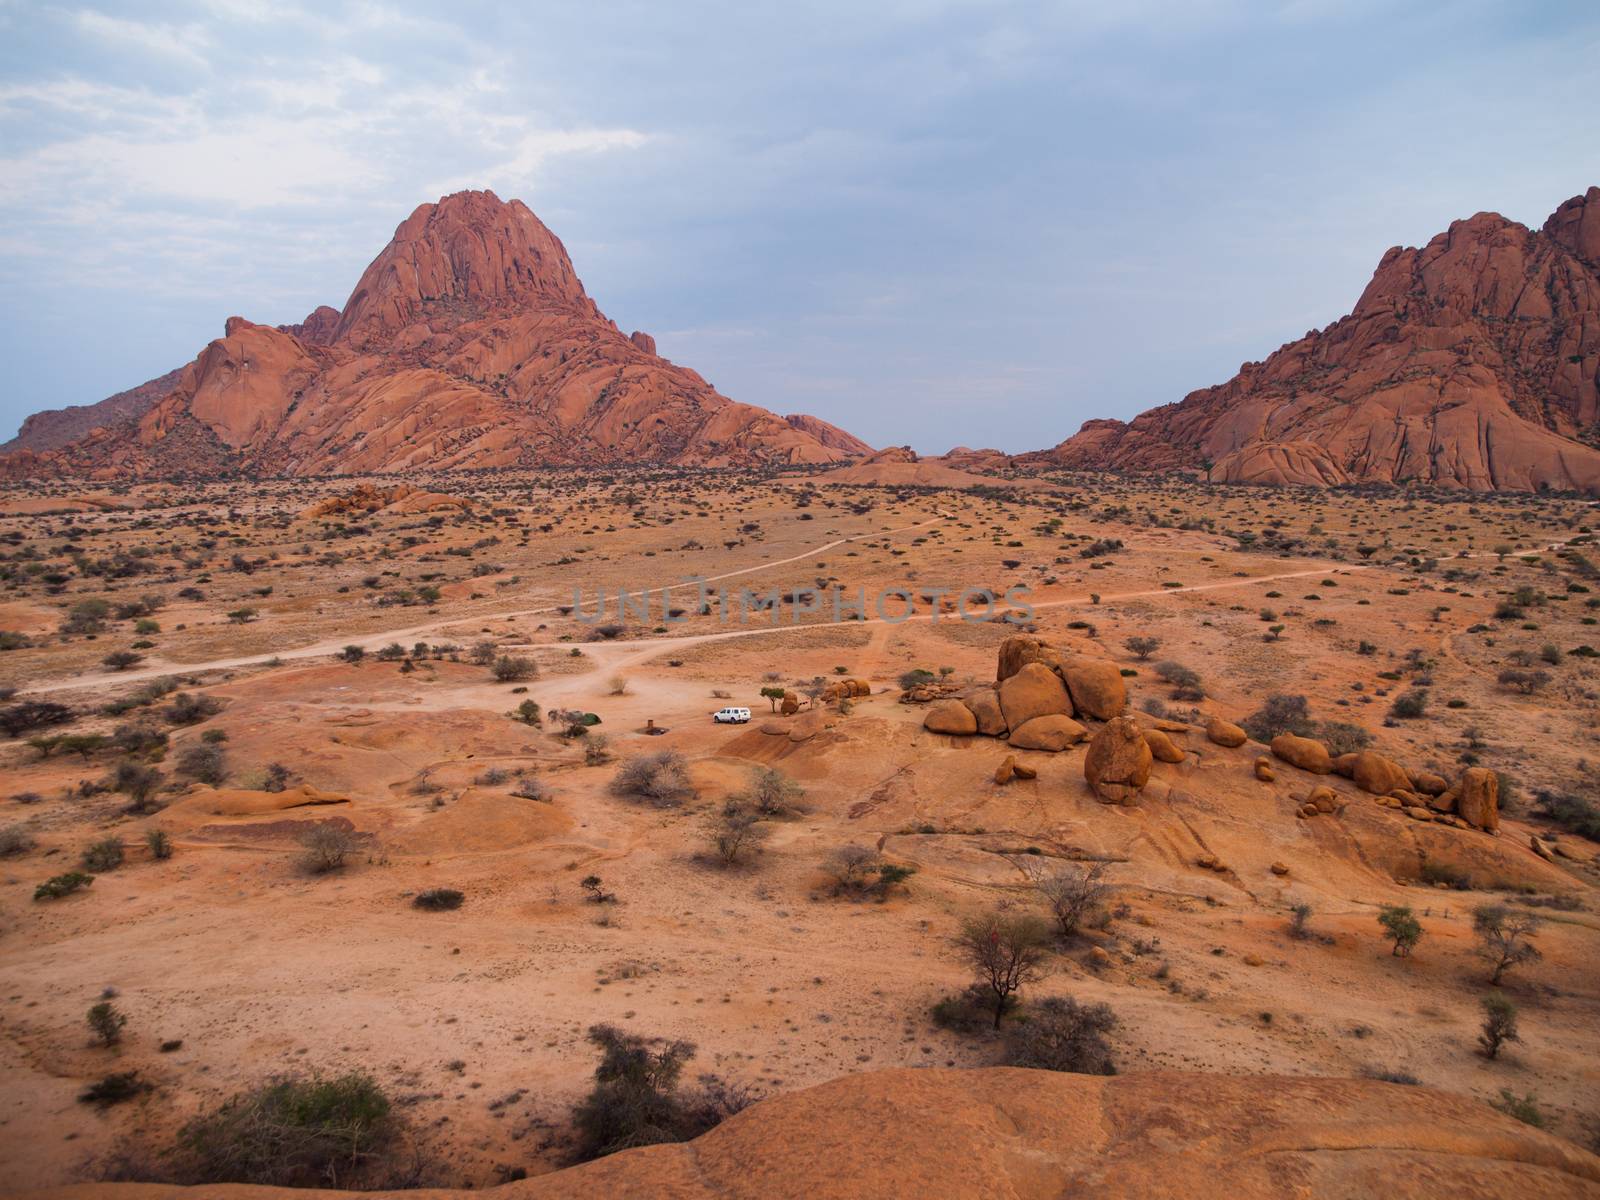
[(185, 42)]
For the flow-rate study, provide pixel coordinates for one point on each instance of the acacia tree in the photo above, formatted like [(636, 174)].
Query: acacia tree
[(1004, 952), (774, 695), (1401, 925), (1504, 938)]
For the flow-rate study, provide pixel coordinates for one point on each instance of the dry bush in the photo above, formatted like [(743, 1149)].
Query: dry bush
[(325, 848), (660, 779)]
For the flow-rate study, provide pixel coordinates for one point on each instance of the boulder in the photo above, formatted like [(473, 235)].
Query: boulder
[(1050, 732), (950, 716), (1428, 783), (1475, 798), (1011, 769), (985, 706), (1017, 652), (1034, 691), (1096, 687), (806, 726), (1279, 868), (1345, 765), (1306, 753), (1379, 775), (789, 705), (1323, 799), (1118, 763), (1225, 733), (1162, 747), (1264, 771)]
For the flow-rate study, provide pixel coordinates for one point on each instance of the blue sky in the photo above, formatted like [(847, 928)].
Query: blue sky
[(940, 223)]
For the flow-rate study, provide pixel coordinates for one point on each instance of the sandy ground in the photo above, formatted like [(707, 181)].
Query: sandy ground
[(476, 1018)]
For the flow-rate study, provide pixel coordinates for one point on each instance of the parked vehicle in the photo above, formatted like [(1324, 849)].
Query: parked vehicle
[(731, 716)]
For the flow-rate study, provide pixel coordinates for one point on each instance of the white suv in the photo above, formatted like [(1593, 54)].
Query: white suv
[(731, 716)]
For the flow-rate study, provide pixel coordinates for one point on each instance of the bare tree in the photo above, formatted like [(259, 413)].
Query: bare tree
[(1144, 647), (1004, 952), (1072, 893), (1504, 938), (735, 829)]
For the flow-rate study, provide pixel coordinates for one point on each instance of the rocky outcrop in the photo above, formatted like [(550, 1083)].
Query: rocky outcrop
[(1471, 362), (1475, 798), (1034, 691), (1054, 733), (1008, 1132), (54, 428), (1225, 733), (951, 717), (469, 342), (1306, 753)]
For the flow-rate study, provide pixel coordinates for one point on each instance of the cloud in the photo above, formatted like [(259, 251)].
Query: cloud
[(187, 43)]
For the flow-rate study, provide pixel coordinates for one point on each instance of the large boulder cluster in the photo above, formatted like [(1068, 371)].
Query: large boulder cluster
[(1036, 699), (1472, 802)]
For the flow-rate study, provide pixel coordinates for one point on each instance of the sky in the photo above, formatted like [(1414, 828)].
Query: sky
[(952, 222)]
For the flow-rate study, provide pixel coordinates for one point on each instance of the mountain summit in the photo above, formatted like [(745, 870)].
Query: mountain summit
[(1471, 362), (469, 342)]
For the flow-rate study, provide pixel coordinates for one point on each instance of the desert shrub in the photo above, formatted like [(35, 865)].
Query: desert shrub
[(596, 750), (121, 660), (115, 1088), (734, 830), (1185, 681), (439, 899), (136, 781), (510, 668), (104, 855), (1499, 1024), (1390, 1075), (1280, 713), (1298, 916), (968, 1011), (1071, 893), (275, 777), (28, 715), (1343, 737), (189, 709), (352, 654), (493, 777), (861, 871), (1504, 938), (58, 886), (637, 1099), (772, 793), (1005, 952), (915, 677), (660, 779), (1434, 873), (1410, 704), (1059, 1034), (325, 848), (14, 840), (292, 1131), (1401, 926), (1523, 1108), (529, 714), (106, 1022), (159, 843), (204, 764), (1573, 813), (533, 788)]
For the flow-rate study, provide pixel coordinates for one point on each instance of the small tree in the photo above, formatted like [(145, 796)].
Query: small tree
[(1504, 938), (1072, 893), (107, 1023), (483, 653), (121, 660), (159, 844), (528, 713), (104, 855), (1142, 646), (594, 890), (1401, 925), (1499, 1024), (733, 830), (774, 696), (1004, 952), (660, 779)]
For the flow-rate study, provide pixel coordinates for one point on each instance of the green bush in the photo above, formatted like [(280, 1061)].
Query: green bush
[(293, 1131), (62, 885), (104, 855), (1059, 1034)]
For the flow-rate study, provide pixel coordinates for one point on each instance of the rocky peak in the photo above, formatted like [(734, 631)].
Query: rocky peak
[(469, 254), (1576, 225)]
